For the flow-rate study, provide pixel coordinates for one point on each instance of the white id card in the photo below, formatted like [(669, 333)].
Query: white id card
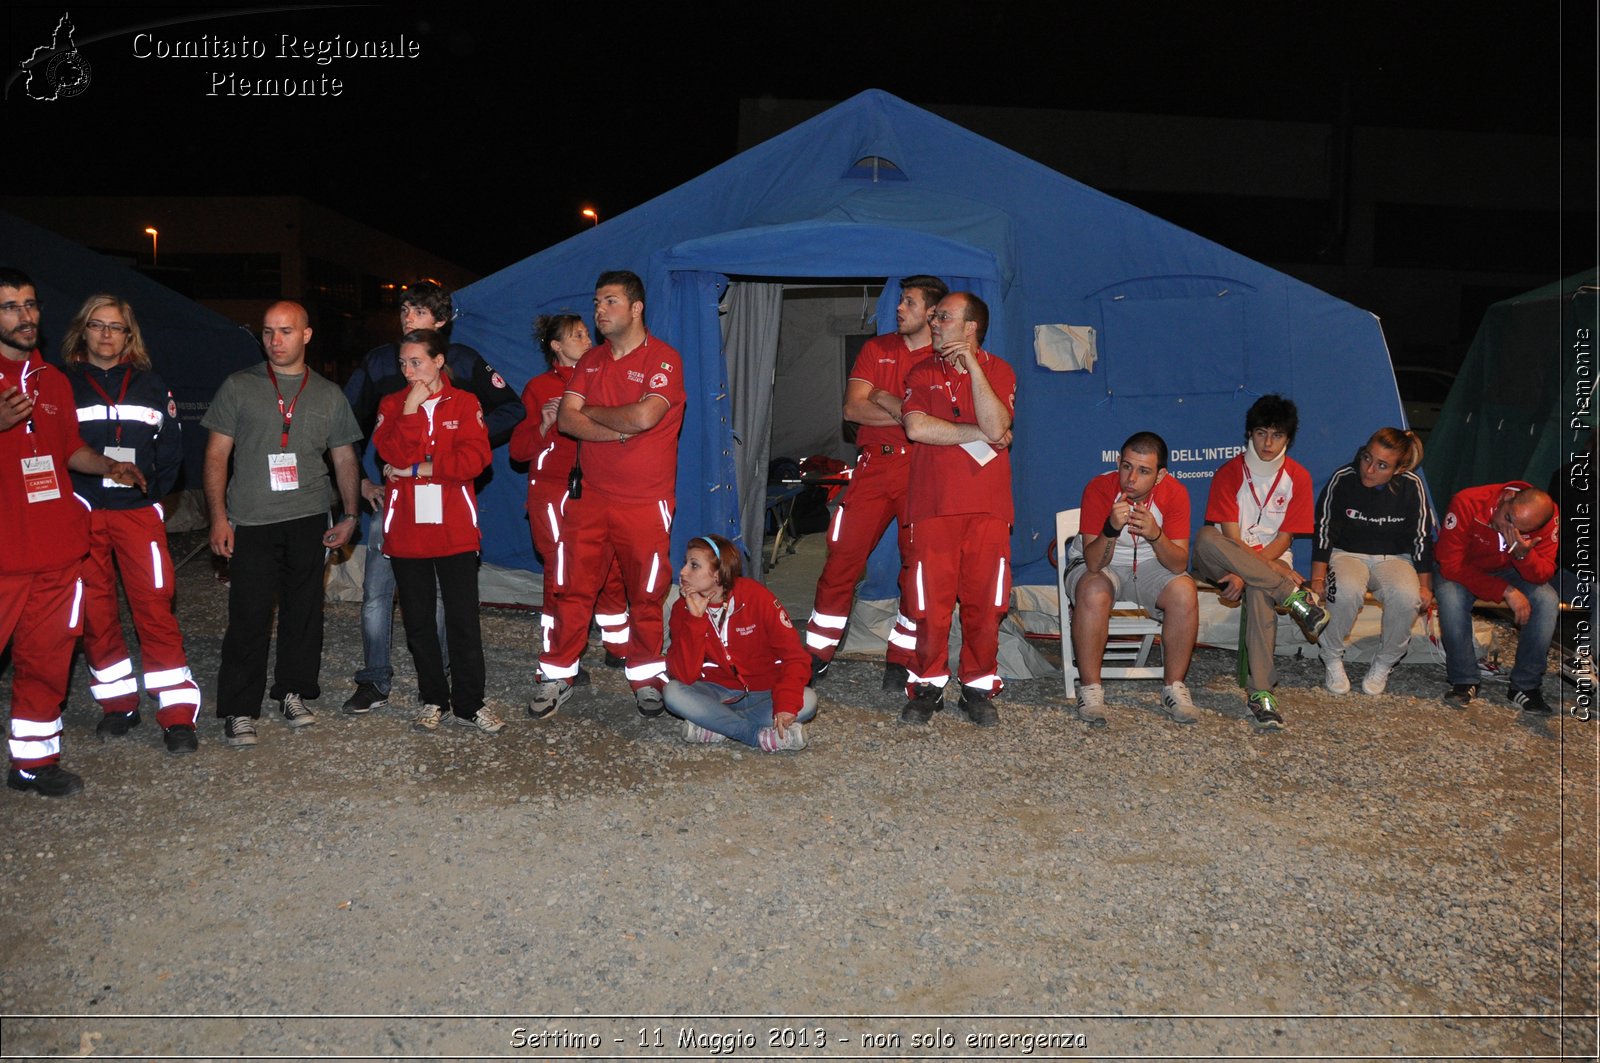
[(428, 501), (282, 472), (39, 478), (981, 452), (116, 454)]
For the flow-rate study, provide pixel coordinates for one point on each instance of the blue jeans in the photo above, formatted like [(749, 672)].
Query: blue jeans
[(1533, 644), (702, 703), (377, 613)]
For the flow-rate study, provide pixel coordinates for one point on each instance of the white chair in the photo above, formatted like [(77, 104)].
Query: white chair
[(1132, 633)]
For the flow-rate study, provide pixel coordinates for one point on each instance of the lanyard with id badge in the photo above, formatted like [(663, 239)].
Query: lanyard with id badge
[(283, 474), (39, 482), (116, 452), (427, 500)]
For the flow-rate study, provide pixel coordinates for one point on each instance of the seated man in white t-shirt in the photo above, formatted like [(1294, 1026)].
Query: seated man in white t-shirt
[(1259, 501), (1138, 551)]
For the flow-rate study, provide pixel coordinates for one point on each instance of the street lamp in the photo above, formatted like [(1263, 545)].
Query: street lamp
[(154, 261), (592, 214)]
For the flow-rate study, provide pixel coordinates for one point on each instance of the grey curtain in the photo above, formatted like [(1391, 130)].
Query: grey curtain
[(750, 347)]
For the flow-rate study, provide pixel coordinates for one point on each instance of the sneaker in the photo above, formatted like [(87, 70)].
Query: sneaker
[(769, 739), (613, 661), (548, 697), (50, 780), (1177, 704), (921, 706), (1529, 701), (366, 698), (295, 713), (239, 731), (484, 720), (819, 668), (427, 718), (895, 678), (116, 724), (1092, 704), (1376, 680), (1264, 712), (648, 699), (1312, 618), (1460, 695), (1334, 679), (977, 706), (693, 732), (181, 738)]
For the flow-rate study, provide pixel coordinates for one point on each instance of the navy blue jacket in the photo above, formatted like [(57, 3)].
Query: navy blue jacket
[(146, 420)]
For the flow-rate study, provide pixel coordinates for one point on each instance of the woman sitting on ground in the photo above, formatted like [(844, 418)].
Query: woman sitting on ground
[(1374, 532), (736, 667)]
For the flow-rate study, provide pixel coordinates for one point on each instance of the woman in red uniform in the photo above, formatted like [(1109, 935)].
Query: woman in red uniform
[(736, 668), (126, 412), (432, 438), (562, 339)]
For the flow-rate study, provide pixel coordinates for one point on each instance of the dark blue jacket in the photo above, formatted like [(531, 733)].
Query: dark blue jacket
[(145, 420)]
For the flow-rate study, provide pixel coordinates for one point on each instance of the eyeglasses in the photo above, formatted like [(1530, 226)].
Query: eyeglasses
[(31, 306), (941, 316), (107, 326)]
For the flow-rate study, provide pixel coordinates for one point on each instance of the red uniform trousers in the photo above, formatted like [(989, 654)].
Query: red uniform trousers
[(962, 558), (876, 495), (610, 610), (134, 541), (44, 611), (597, 533)]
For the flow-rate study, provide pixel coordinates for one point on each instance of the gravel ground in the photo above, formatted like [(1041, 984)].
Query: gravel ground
[(1387, 877)]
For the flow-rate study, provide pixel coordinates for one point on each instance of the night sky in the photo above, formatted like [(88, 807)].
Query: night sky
[(484, 148)]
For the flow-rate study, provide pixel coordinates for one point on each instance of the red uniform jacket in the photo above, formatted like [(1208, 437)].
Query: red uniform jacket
[(51, 533), (457, 443), (1469, 549), (549, 457), (763, 650)]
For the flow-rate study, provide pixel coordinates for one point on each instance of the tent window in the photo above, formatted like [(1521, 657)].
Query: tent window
[(875, 168)]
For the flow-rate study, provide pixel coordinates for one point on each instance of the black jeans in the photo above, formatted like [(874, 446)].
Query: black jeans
[(273, 560), (456, 577)]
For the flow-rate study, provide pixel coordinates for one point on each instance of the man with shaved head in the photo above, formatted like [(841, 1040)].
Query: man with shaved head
[(272, 519), (1498, 543)]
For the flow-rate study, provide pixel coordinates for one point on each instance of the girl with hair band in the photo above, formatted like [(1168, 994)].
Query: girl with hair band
[(1374, 531), (433, 440), (736, 668), (126, 412), (551, 456)]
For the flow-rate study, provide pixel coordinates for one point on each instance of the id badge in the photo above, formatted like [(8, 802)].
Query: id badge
[(282, 472), (428, 504), (116, 454), (39, 478)]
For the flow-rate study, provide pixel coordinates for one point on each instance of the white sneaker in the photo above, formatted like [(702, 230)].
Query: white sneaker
[(427, 718), (484, 720), (1092, 704), (548, 697), (1377, 678), (693, 732), (1177, 704), (1334, 679), (772, 742)]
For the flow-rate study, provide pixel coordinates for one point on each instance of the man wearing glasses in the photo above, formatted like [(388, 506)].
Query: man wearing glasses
[(959, 409), (46, 532)]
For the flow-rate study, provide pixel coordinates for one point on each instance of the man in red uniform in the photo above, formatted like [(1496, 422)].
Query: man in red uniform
[(46, 532), (877, 491), (958, 410), (1498, 543), (625, 403)]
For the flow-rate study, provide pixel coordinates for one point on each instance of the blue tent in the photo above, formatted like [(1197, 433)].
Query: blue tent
[(192, 347), (1188, 333)]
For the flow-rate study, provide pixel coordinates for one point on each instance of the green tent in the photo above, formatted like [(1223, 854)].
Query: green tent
[(1524, 399)]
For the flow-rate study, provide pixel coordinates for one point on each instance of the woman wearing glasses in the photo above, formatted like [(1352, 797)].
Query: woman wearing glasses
[(1374, 532), (126, 412)]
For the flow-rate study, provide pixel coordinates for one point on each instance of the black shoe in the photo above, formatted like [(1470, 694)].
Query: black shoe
[(239, 731), (977, 707), (613, 661), (1264, 713), (649, 702), (819, 668), (1529, 701), (181, 738), (1460, 695), (923, 704), (52, 780), (583, 678), (366, 698), (117, 724), (895, 678)]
